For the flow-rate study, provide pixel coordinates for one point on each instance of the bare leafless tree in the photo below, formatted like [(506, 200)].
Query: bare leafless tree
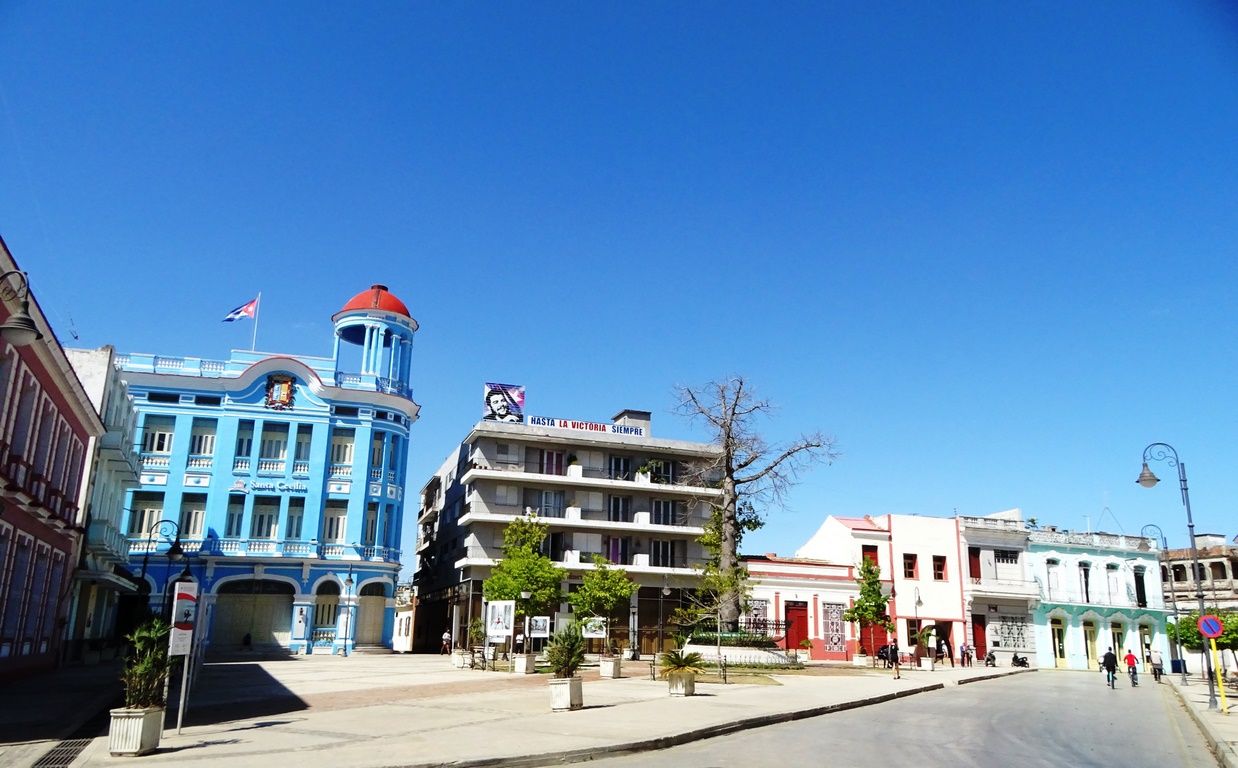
[(747, 468)]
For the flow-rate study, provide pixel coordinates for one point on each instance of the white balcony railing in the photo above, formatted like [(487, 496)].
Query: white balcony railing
[(240, 464), (199, 462), (300, 467), (271, 466)]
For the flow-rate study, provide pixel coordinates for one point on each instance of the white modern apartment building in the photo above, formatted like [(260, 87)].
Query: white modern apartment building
[(604, 488)]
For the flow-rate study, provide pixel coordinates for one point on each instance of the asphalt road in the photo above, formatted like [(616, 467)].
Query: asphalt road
[(1059, 719)]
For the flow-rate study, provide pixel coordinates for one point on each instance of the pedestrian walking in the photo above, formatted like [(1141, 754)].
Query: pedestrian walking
[(894, 657), (1158, 666), (446, 642)]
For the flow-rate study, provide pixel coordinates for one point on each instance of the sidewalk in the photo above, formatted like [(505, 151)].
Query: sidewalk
[(37, 712), (1220, 730), (365, 712)]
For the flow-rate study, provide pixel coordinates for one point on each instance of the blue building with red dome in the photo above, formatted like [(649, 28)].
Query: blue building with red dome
[(277, 483)]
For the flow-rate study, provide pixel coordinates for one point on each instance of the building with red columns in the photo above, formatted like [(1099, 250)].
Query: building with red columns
[(46, 423)]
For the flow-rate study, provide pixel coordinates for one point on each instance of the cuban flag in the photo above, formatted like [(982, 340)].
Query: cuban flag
[(245, 310)]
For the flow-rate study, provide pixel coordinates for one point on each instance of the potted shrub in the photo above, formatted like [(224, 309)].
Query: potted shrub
[(680, 670), (564, 654), (806, 644), (136, 727), (924, 648)]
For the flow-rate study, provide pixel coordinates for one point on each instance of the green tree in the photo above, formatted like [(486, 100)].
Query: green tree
[(869, 609), (746, 467), (1192, 640), (718, 585), (525, 568), (603, 591)]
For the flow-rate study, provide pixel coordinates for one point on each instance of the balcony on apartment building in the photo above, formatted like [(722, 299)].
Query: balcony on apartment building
[(1017, 589), (34, 491), (106, 542), (575, 560), (575, 475), (579, 517)]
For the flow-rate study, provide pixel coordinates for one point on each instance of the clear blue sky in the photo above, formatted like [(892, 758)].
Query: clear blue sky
[(990, 247)]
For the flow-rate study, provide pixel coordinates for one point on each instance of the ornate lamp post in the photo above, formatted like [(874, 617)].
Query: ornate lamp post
[(348, 583), (1166, 453), (19, 330), (166, 529), (1160, 535)]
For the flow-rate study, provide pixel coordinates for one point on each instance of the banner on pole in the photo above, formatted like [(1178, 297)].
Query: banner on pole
[(184, 611)]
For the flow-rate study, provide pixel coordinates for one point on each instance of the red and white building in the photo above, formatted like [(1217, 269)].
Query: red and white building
[(808, 597), (920, 560), (46, 423)]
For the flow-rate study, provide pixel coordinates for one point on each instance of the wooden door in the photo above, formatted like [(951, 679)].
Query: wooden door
[(371, 611), (980, 636), (796, 614), (973, 564)]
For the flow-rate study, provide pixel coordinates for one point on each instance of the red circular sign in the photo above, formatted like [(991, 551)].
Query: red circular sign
[(1210, 627)]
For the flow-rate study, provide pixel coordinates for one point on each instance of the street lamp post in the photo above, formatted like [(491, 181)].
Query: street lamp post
[(665, 593), (1177, 626), (348, 583), (525, 596), (1166, 453), (19, 330), (167, 529)]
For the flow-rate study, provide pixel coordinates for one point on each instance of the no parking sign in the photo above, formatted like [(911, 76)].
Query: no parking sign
[(1210, 626)]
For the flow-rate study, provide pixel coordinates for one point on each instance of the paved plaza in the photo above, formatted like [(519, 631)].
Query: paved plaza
[(392, 710)]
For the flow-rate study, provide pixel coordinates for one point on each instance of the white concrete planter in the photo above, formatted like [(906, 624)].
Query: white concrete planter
[(611, 667), (460, 658), (575, 470), (643, 478), (926, 663), (860, 661), (135, 731), (682, 683), (526, 663), (566, 694)]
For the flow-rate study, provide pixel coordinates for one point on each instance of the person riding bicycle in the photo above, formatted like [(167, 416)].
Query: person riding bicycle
[(1109, 662), (1132, 667)]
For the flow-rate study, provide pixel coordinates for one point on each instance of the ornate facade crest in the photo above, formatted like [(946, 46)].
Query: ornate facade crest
[(280, 392)]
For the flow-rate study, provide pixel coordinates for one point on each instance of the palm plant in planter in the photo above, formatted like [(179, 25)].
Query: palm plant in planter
[(565, 653), (680, 669), (136, 728)]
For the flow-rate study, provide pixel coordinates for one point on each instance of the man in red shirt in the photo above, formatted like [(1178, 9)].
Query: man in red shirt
[(1132, 667)]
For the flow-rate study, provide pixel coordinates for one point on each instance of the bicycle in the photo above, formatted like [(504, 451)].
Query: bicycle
[(1112, 675), (1134, 673)]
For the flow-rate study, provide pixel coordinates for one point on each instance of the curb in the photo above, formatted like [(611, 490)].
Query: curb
[(674, 740), (1221, 748), (996, 675)]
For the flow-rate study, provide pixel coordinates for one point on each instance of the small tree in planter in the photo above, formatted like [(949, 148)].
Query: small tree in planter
[(603, 591), (137, 727), (869, 609), (924, 642), (680, 670), (565, 653)]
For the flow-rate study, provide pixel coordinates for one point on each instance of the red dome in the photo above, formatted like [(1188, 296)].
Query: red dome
[(377, 297)]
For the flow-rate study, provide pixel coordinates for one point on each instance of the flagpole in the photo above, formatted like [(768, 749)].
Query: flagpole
[(253, 344)]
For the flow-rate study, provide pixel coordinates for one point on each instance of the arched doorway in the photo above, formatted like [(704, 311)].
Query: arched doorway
[(1089, 642), (1057, 628), (371, 609), (260, 608)]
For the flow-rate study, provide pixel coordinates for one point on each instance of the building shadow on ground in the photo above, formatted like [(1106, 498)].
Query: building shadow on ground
[(228, 690)]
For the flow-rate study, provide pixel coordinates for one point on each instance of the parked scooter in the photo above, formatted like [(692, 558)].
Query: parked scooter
[(990, 659), (1018, 661)]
